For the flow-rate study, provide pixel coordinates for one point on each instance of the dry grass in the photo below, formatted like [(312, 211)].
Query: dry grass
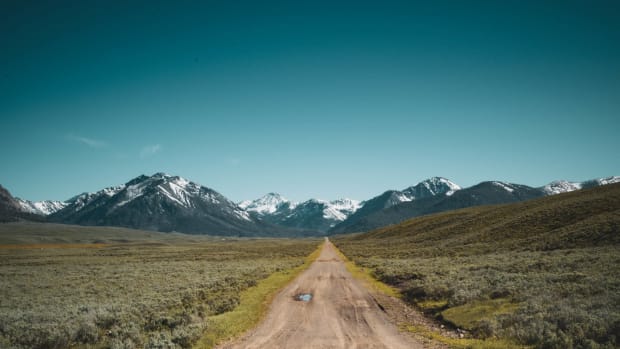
[(254, 303), (146, 294), (45, 246), (544, 273)]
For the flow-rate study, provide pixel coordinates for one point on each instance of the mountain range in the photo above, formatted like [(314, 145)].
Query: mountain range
[(164, 203), (381, 210), (168, 203), (313, 214)]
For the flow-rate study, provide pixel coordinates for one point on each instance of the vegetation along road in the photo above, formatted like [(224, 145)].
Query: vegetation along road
[(325, 307)]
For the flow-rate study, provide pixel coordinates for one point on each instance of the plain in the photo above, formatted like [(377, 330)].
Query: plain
[(83, 287)]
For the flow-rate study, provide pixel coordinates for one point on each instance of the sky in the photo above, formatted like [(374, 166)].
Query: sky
[(321, 99)]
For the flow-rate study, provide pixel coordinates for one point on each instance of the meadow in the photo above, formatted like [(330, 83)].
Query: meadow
[(76, 287), (543, 273)]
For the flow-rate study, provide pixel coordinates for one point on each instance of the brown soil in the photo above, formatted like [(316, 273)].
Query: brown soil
[(341, 314)]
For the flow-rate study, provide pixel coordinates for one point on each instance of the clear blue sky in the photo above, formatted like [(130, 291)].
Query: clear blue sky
[(308, 99)]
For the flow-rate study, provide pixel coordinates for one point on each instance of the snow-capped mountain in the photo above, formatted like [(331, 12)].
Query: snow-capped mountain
[(312, 214), (43, 208), (268, 204), (427, 188), (562, 186), (509, 187), (342, 208), (319, 214), (429, 196), (161, 202), (11, 209), (171, 203), (438, 195), (608, 180), (431, 187)]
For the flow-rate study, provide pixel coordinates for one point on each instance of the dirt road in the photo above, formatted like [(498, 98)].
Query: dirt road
[(341, 314)]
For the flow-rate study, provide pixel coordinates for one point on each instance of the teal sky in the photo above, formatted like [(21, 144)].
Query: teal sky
[(308, 99)]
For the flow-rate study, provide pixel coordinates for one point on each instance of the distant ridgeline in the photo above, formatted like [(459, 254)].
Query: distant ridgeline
[(170, 203)]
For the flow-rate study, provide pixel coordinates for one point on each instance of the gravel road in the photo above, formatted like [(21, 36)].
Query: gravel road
[(342, 313)]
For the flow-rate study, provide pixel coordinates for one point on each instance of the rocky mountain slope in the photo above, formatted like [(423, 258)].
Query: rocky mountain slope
[(170, 203), (43, 208), (388, 208), (425, 190), (11, 210), (313, 214), (163, 203)]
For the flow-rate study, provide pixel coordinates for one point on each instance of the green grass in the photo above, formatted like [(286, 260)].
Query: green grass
[(543, 273), (365, 275), (433, 305), (464, 343), (149, 291), (481, 312), (253, 305), (469, 316)]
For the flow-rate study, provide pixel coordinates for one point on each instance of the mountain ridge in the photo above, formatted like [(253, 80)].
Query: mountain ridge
[(315, 214), (164, 202), (383, 212)]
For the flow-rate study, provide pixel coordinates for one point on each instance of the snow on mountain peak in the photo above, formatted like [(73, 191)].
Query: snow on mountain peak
[(506, 186), (44, 208), (79, 201), (398, 197), (346, 204), (179, 190), (438, 185), (561, 186), (175, 188), (453, 186), (267, 204), (276, 208), (332, 213), (430, 187), (244, 204), (340, 209), (608, 180)]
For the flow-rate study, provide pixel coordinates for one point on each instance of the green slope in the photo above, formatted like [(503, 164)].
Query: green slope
[(544, 272), (578, 219)]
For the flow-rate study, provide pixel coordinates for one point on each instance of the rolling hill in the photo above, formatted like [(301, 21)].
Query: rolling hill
[(584, 218), (541, 273)]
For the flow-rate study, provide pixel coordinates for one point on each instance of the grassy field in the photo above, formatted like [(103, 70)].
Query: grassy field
[(75, 287), (544, 273)]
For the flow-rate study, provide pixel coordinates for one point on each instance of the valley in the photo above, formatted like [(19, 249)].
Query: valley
[(538, 273), (310, 174)]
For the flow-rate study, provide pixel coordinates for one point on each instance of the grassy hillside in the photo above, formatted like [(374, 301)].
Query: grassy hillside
[(92, 287), (544, 272)]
